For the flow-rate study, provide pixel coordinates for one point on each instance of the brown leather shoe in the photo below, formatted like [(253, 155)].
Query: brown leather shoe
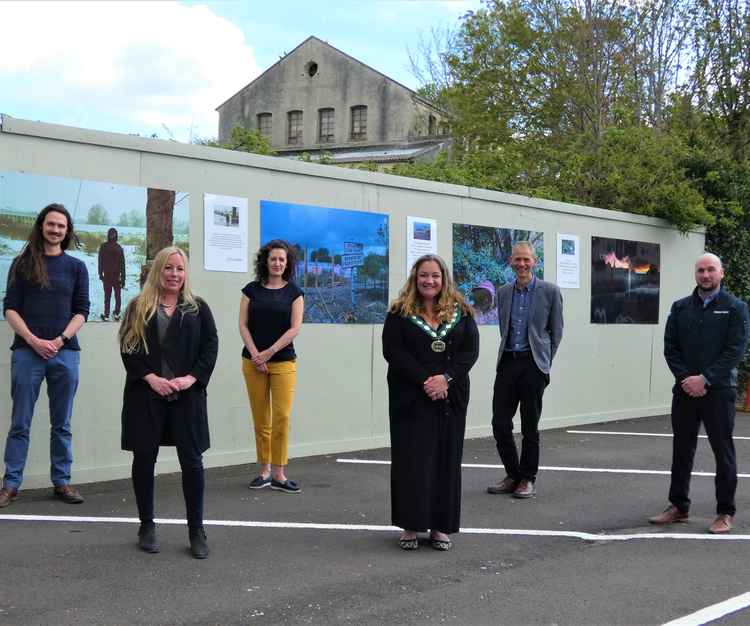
[(68, 494), (506, 485), (7, 495), (525, 489), (722, 524), (670, 515)]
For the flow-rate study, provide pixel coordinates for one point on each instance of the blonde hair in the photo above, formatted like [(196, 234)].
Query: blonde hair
[(143, 307), (409, 302)]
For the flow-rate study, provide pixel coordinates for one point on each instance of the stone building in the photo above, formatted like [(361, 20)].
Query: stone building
[(320, 101)]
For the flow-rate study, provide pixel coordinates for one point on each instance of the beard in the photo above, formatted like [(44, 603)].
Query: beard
[(708, 289)]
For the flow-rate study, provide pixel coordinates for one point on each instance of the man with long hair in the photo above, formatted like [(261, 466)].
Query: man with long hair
[(46, 303)]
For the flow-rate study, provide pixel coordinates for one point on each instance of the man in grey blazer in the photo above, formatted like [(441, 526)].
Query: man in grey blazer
[(530, 313)]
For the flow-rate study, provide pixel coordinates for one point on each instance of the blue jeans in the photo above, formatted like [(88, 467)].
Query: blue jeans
[(27, 370)]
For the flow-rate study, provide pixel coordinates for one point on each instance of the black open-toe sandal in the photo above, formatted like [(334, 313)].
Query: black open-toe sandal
[(441, 544), (408, 544)]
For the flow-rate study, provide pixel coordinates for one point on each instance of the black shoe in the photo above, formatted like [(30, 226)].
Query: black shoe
[(147, 540), (286, 486), (198, 543)]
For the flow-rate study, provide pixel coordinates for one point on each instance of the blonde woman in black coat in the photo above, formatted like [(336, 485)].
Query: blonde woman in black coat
[(430, 341), (169, 345)]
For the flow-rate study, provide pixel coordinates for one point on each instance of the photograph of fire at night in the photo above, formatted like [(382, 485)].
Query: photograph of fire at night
[(624, 281)]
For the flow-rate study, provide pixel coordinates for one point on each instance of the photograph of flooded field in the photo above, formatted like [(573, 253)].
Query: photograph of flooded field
[(342, 259), (624, 281), (105, 215)]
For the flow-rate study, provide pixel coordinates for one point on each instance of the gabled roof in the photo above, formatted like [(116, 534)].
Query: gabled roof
[(414, 94)]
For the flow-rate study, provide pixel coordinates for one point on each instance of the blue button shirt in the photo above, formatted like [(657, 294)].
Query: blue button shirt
[(518, 331)]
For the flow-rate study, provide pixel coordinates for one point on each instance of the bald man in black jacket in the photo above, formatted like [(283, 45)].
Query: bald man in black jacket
[(704, 342)]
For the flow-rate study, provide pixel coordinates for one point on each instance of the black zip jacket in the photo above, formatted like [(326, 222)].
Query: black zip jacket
[(710, 341)]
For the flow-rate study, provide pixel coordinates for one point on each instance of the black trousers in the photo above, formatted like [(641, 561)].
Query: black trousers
[(110, 285), (518, 381), (716, 411), (193, 483)]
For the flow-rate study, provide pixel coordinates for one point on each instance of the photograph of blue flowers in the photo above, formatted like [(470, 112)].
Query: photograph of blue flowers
[(342, 259), (481, 263)]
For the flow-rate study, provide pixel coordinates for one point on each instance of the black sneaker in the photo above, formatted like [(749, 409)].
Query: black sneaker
[(147, 540), (198, 543), (259, 482), (287, 486)]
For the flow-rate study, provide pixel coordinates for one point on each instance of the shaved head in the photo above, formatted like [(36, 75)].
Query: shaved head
[(712, 258), (708, 273)]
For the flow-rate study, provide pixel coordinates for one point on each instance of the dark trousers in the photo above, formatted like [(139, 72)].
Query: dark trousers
[(716, 411), (109, 285), (518, 381), (193, 484)]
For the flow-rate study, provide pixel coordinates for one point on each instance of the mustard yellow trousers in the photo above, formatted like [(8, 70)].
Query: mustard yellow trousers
[(271, 397)]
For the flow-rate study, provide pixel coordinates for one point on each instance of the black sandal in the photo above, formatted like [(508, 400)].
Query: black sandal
[(408, 544)]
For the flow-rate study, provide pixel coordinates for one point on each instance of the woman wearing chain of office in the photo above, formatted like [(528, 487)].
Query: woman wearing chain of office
[(430, 341)]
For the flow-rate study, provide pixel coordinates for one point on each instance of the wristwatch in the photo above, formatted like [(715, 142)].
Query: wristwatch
[(64, 339), (448, 378)]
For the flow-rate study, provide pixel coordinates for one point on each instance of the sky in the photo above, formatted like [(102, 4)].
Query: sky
[(322, 227), (153, 67), (20, 191)]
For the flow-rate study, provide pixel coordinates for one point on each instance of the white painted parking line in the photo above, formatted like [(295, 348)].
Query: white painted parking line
[(550, 468), (713, 612), (619, 432), (520, 532)]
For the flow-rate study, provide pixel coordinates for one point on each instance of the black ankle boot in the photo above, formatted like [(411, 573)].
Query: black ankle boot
[(198, 544), (147, 540)]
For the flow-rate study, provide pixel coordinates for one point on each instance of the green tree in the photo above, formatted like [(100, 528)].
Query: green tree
[(97, 215), (242, 140)]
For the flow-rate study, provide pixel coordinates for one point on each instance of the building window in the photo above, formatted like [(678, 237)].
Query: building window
[(359, 122), (294, 136), (431, 125), (264, 124), (325, 125)]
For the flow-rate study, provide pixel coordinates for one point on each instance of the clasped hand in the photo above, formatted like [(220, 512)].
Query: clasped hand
[(46, 348), (436, 387), (166, 387), (694, 386), (261, 358)]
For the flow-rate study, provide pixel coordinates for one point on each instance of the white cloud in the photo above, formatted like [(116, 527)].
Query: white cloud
[(150, 63)]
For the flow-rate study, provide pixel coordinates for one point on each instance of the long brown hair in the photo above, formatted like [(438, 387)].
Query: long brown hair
[(30, 261), (409, 302), (143, 307)]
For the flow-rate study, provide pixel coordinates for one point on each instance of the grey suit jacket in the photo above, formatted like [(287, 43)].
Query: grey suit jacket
[(545, 321)]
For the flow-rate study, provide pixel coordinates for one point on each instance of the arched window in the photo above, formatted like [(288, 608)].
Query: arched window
[(265, 124), (326, 125), (294, 124), (359, 123)]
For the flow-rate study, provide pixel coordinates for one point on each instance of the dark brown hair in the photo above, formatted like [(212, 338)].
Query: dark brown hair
[(30, 262), (261, 260)]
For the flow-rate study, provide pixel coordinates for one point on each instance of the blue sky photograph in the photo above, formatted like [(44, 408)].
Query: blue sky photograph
[(322, 227)]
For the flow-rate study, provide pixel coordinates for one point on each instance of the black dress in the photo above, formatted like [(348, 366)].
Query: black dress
[(427, 436)]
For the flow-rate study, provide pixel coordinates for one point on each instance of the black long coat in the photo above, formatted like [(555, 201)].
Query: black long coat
[(427, 436), (190, 347)]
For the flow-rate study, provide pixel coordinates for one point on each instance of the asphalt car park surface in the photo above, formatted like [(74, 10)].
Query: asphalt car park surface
[(581, 552)]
